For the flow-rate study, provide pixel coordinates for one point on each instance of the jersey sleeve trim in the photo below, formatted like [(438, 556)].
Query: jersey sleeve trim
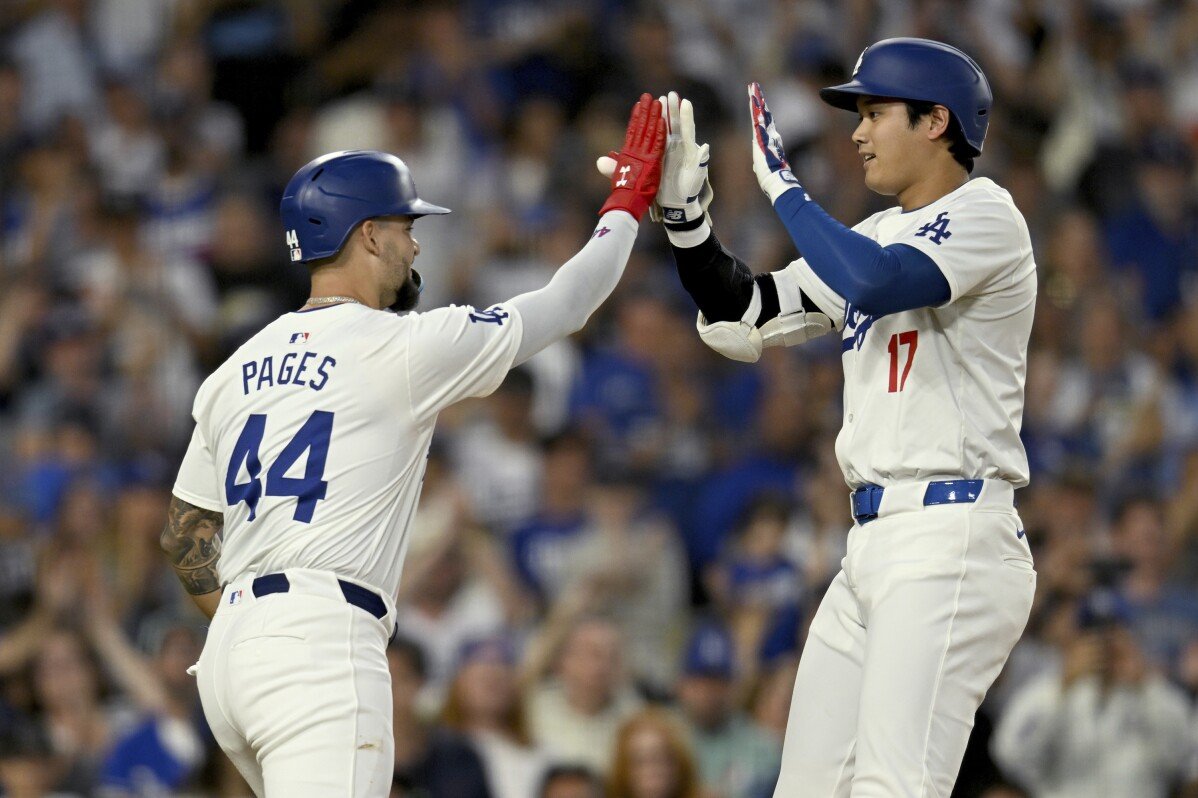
[(197, 500)]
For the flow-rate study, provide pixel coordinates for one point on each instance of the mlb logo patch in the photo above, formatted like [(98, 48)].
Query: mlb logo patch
[(299, 338), (235, 596)]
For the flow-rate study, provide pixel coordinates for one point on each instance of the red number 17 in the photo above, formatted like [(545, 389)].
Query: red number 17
[(909, 339)]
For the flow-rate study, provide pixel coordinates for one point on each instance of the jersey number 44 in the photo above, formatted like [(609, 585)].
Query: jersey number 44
[(313, 438)]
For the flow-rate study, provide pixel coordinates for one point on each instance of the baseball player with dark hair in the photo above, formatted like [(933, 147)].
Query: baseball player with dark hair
[(290, 514), (933, 300)]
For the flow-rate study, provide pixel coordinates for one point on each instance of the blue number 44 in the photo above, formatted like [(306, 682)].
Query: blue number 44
[(313, 438)]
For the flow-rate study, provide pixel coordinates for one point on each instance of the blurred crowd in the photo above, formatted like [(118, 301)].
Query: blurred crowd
[(617, 554)]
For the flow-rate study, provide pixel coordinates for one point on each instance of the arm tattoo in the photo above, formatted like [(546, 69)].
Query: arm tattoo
[(191, 539)]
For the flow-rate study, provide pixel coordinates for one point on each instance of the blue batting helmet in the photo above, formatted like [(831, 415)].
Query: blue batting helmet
[(924, 70), (326, 198)]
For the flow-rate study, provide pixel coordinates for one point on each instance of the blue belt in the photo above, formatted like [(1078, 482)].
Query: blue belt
[(354, 594), (867, 499)]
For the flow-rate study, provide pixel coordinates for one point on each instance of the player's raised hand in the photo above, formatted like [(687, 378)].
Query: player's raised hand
[(636, 169), (685, 189), (769, 158)]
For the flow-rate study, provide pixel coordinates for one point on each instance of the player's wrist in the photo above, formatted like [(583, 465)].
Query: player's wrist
[(634, 185), (777, 184), (686, 235), (615, 217), (682, 213), (635, 205)]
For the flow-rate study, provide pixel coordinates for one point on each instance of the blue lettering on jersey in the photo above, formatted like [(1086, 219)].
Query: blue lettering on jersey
[(856, 325), (328, 362), (937, 230), (264, 374), (299, 372), (248, 371), (286, 369), (492, 316)]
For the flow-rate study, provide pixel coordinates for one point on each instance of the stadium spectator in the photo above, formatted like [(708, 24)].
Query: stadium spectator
[(575, 713), (1104, 722), (484, 703), (652, 759), (429, 759), (735, 757)]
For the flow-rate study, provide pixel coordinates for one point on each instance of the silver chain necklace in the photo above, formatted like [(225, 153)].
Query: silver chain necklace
[(331, 300)]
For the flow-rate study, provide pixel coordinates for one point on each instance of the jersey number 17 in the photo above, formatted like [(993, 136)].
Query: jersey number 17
[(313, 438), (910, 340)]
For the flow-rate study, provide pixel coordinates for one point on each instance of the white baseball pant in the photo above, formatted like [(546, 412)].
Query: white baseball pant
[(296, 689), (911, 634)]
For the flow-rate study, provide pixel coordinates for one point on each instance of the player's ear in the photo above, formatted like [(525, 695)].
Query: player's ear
[(938, 121), (369, 236)]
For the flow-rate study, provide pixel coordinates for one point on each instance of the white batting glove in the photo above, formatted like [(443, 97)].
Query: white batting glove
[(685, 191), (769, 158)]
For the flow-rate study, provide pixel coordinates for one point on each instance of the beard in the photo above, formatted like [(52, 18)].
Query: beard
[(408, 295)]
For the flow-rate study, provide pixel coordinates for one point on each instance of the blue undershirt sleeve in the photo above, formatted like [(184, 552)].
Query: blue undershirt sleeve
[(877, 280)]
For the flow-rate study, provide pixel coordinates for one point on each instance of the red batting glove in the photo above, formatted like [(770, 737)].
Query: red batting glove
[(638, 165)]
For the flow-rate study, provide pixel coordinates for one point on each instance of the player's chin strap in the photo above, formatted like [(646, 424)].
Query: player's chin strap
[(742, 340)]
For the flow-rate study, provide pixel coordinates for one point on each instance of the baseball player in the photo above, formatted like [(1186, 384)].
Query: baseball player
[(289, 519), (933, 300)]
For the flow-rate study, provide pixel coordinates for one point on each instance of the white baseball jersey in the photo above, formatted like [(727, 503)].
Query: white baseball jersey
[(312, 438), (937, 393)]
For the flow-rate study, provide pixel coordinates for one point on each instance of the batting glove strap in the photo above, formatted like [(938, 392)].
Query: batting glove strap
[(688, 212), (775, 185), (634, 184)]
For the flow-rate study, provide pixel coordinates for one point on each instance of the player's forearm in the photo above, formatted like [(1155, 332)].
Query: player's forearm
[(208, 603), (720, 283), (578, 288), (191, 540), (879, 280)]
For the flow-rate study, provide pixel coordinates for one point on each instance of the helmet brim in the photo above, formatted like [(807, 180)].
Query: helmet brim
[(845, 95), (421, 208)]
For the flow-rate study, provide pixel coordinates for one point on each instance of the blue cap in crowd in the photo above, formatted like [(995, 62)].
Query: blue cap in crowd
[(1103, 607), (710, 652), (492, 648)]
